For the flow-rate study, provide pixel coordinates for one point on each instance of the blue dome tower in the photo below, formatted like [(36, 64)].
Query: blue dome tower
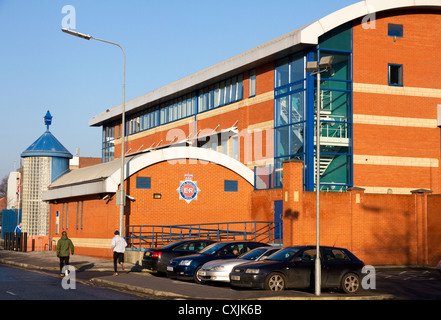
[(44, 161), (48, 146)]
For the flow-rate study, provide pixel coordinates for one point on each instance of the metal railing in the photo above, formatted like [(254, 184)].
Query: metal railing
[(140, 237), (16, 242)]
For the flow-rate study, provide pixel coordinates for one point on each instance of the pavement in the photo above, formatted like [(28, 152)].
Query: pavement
[(135, 278)]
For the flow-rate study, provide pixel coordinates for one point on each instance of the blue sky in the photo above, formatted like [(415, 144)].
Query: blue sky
[(42, 68)]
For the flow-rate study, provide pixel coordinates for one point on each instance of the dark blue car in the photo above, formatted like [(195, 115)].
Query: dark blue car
[(186, 268)]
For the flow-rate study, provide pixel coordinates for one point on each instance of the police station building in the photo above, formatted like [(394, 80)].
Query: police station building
[(236, 142)]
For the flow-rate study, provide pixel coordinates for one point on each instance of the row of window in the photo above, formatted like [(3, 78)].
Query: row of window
[(395, 71), (221, 93), (63, 217), (214, 96), (146, 183)]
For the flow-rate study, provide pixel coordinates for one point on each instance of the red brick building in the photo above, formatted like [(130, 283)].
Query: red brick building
[(234, 129)]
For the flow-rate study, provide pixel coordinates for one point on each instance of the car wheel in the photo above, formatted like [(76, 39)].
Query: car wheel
[(350, 283), (196, 277), (275, 282)]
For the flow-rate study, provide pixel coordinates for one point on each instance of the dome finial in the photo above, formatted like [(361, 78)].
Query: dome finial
[(48, 119)]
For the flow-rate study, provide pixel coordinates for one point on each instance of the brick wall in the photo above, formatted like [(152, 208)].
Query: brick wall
[(397, 121), (101, 217), (213, 204), (378, 228)]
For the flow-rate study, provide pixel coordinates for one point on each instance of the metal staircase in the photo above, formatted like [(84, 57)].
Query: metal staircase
[(333, 131), (325, 161)]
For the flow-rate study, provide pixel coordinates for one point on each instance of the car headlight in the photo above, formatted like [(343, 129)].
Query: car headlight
[(217, 268), (253, 271), (185, 262)]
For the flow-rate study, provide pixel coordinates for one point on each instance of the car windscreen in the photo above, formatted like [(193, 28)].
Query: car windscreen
[(253, 254), (212, 248), (284, 254)]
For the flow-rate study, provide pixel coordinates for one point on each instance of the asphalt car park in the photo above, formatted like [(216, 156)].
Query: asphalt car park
[(342, 273)]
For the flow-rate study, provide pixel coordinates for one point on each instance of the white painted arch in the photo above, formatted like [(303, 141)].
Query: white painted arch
[(362, 9), (81, 182), (175, 156)]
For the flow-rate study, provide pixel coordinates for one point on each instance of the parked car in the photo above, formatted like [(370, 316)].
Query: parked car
[(186, 268), (293, 267), (219, 270), (156, 259)]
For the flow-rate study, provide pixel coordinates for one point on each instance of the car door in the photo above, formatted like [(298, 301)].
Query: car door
[(335, 261), (300, 270)]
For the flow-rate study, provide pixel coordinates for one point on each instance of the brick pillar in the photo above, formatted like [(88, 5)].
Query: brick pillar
[(292, 200), (421, 246), (356, 233)]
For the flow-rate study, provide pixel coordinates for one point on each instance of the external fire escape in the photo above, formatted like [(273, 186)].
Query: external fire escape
[(333, 133)]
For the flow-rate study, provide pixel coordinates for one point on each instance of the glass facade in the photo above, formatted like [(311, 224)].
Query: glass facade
[(289, 113), (295, 109), (336, 111), (108, 143)]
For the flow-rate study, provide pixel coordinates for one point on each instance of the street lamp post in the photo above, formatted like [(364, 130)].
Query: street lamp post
[(317, 68), (121, 199)]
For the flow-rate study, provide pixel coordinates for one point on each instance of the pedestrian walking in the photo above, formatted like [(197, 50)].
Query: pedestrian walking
[(64, 248), (17, 230), (119, 245)]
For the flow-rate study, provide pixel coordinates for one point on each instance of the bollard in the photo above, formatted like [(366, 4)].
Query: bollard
[(24, 244), (6, 241), (10, 243), (16, 242)]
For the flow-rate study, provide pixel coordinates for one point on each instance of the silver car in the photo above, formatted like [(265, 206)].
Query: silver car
[(219, 270)]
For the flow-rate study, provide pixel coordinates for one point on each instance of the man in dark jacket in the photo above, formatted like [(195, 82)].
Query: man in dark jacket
[(63, 246)]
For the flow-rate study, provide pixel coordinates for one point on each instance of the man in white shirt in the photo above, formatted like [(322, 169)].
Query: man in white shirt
[(119, 245)]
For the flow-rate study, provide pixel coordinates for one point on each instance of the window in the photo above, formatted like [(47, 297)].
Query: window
[(230, 186), (252, 82), (224, 146), (192, 246), (221, 93), (78, 211), (143, 182), (235, 147), (309, 255), (108, 146), (395, 74), (395, 30), (67, 216), (82, 212), (173, 110), (335, 254)]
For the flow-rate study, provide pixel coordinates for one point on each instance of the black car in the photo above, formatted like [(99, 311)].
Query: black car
[(293, 267), (186, 268), (156, 259)]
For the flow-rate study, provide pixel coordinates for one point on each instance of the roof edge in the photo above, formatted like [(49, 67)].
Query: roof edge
[(307, 35)]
